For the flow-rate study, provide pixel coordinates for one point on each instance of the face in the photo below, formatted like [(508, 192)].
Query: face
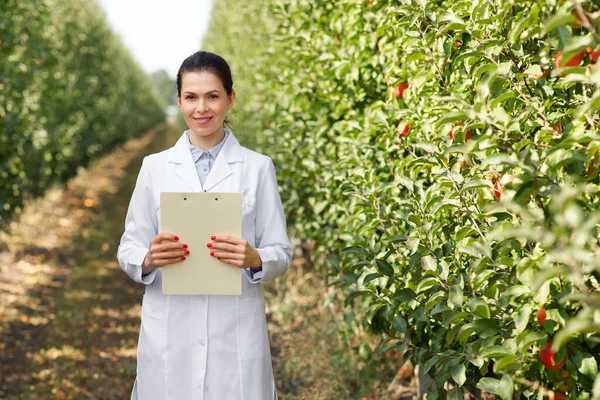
[(204, 103)]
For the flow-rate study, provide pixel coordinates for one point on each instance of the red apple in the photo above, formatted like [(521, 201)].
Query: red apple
[(461, 163), (572, 62), (557, 129), (399, 90), (457, 127), (403, 129), (458, 43), (594, 56), (498, 189), (541, 316), (547, 358)]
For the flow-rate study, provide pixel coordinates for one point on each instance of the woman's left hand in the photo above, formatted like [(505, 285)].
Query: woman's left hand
[(235, 251)]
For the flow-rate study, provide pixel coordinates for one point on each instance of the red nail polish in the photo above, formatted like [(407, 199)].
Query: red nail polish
[(182, 258), (212, 253), (209, 245), (213, 237), (185, 246), (187, 252), (176, 238)]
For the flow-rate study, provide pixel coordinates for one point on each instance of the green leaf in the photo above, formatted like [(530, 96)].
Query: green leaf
[(370, 277), (398, 238), (544, 275), (495, 352), (428, 263), (522, 318), (399, 324), (426, 284), (476, 183), (503, 387), (479, 307), (558, 19), (586, 364), (506, 364), (531, 338), (500, 159), (404, 295), (482, 69), (451, 117), (355, 250), (430, 363), (517, 28), (596, 389), (384, 267), (459, 374), (456, 296), (355, 294)]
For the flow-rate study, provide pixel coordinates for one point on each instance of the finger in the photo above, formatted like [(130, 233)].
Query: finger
[(232, 248), (225, 254), (228, 239), (164, 236), (234, 262), (169, 246), (169, 261), (170, 254)]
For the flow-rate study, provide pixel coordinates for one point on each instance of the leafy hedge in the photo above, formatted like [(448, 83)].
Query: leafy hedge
[(69, 91), (442, 158)]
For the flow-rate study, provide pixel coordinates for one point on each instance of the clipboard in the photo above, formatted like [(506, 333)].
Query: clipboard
[(195, 217)]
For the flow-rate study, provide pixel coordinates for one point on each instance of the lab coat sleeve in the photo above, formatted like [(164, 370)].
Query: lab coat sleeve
[(272, 242), (141, 225)]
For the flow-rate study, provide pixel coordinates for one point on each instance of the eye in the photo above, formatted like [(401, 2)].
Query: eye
[(213, 96), (189, 96)]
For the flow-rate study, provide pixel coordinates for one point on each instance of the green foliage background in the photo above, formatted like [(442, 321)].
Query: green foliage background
[(428, 252), (69, 91)]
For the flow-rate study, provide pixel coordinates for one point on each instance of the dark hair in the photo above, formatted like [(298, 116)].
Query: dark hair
[(203, 61)]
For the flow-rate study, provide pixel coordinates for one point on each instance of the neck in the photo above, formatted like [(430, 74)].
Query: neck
[(207, 142)]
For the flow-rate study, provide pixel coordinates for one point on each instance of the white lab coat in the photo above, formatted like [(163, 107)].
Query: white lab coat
[(206, 347)]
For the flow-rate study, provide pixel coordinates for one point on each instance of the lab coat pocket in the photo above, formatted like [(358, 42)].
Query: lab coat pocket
[(253, 338), (152, 357), (155, 302)]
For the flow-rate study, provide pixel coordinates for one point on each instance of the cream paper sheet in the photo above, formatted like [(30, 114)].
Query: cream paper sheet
[(195, 217)]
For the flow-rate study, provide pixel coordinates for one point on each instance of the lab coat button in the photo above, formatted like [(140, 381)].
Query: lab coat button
[(203, 298), (206, 388), (201, 342)]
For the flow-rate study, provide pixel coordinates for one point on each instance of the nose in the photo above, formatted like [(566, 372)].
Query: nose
[(201, 107)]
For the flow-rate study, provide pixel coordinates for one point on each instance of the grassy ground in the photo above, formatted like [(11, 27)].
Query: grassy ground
[(69, 317)]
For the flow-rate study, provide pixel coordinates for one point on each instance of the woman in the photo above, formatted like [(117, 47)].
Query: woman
[(194, 346)]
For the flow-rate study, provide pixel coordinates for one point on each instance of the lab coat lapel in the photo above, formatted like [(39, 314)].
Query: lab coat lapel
[(185, 167), (221, 170)]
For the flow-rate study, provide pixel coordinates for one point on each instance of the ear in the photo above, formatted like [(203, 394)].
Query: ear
[(230, 101), (179, 101)]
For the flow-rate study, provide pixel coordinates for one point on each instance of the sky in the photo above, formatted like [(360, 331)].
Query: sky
[(159, 34)]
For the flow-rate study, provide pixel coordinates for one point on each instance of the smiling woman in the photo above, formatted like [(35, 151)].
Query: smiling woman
[(212, 344), (204, 104)]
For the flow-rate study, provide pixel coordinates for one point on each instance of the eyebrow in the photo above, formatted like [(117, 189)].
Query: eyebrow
[(212, 91)]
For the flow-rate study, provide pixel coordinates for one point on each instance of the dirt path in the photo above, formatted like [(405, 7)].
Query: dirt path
[(69, 317)]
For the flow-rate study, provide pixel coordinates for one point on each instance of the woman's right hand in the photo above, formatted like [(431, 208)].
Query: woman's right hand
[(165, 249)]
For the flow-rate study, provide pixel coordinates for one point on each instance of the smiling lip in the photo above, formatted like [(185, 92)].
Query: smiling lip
[(203, 120)]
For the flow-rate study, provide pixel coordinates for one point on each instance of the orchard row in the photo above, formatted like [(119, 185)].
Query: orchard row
[(69, 91), (439, 159)]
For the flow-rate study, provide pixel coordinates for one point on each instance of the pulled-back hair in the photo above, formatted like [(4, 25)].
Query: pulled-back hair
[(204, 61)]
